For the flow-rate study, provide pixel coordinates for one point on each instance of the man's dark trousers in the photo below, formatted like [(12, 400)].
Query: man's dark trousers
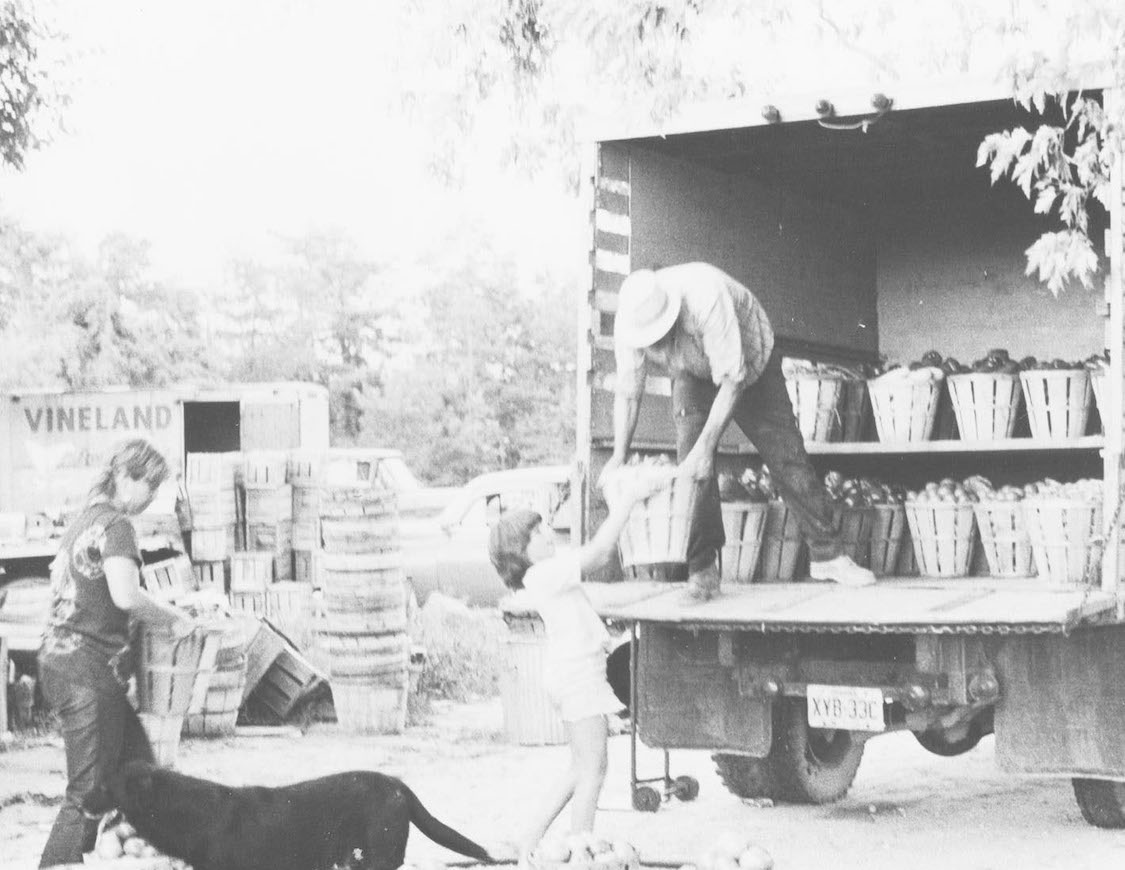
[(765, 413)]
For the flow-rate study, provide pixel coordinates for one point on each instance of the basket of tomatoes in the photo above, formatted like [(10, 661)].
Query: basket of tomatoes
[(1058, 395), (986, 396), (941, 521)]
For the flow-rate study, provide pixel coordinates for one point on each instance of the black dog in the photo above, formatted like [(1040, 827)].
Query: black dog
[(357, 819)]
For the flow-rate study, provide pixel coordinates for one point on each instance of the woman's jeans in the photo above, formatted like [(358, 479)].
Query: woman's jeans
[(100, 731), (765, 413)]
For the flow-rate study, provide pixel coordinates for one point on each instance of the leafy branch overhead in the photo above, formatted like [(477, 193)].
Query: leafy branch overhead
[(1061, 169)]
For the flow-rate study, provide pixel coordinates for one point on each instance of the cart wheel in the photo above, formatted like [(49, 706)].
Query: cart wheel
[(686, 788), (645, 799)]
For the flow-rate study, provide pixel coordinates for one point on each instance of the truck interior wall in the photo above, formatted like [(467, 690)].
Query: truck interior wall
[(950, 277), (812, 264)]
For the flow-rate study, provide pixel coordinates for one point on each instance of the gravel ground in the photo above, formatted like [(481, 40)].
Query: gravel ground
[(906, 808)]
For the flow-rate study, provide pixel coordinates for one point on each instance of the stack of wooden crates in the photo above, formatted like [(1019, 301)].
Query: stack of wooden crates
[(210, 485)]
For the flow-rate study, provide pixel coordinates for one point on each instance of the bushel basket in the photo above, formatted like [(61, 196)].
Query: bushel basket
[(904, 409), (1061, 532), (1058, 402), (1004, 539), (744, 523), (782, 543), (888, 528), (942, 535), (815, 398), (657, 528), (986, 404)]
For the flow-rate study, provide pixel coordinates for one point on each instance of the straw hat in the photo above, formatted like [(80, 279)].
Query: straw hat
[(645, 310)]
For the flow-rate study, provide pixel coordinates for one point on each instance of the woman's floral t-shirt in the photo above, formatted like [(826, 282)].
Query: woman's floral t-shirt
[(81, 606)]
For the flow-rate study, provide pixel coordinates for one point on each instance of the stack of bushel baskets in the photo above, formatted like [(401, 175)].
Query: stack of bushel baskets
[(213, 504), (363, 632)]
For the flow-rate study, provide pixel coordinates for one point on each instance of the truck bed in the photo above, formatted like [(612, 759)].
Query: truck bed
[(911, 605)]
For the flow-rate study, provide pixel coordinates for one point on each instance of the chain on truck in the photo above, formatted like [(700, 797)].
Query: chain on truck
[(868, 233)]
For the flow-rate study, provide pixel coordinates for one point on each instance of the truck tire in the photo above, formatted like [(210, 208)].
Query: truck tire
[(1101, 801), (746, 776), (812, 765), (939, 743)]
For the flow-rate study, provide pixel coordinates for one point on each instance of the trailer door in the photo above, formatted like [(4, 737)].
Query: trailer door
[(212, 427), (270, 425)]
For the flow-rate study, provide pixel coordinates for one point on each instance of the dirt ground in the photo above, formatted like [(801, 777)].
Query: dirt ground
[(907, 808)]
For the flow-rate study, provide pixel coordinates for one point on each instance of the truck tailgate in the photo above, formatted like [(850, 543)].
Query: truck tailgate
[(972, 605)]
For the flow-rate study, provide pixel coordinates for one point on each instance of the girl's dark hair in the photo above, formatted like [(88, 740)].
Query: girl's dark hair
[(139, 459), (507, 545)]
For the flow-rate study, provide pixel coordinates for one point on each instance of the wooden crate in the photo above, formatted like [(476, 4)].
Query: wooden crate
[(169, 577), (212, 544), (264, 469), (304, 565), (288, 680), (251, 571), (211, 575), (266, 505), (252, 603)]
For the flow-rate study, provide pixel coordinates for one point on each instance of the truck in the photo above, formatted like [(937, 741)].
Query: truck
[(865, 228), (53, 441)]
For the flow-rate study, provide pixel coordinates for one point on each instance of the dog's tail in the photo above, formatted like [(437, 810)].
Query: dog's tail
[(441, 833)]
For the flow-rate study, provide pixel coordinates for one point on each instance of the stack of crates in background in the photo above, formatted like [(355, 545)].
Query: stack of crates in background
[(305, 469), (269, 508), (210, 488), (251, 574), (363, 632)]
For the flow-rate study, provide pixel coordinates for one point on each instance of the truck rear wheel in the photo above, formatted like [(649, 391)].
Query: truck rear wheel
[(1102, 801), (812, 765), (745, 776)]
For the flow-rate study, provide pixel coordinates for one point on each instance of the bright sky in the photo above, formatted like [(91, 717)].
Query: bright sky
[(207, 126)]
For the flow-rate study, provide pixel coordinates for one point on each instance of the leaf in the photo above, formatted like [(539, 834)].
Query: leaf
[(1046, 198)]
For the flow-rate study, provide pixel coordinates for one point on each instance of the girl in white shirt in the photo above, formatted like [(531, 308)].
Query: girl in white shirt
[(524, 551)]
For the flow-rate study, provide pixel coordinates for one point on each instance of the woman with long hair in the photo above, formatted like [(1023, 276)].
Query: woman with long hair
[(84, 659)]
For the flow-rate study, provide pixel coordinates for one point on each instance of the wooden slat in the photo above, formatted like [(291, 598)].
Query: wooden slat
[(907, 603)]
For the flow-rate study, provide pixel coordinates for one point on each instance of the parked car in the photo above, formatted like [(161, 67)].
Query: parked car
[(448, 553)]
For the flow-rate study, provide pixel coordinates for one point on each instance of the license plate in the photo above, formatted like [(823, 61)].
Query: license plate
[(851, 708)]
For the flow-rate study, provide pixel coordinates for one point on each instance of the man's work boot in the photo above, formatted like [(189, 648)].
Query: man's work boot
[(703, 583), (841, 570)]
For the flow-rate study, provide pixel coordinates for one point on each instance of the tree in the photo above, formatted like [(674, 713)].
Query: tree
[(1065, 166), (29, 104)]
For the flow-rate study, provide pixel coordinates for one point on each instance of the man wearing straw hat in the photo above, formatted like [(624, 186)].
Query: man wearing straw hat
[(716, 342)]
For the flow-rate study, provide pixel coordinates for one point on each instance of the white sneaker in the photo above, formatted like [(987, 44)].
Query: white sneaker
[(842, 570)]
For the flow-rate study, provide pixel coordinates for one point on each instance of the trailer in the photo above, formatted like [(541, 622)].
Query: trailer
[(52, 443), (864, 227)]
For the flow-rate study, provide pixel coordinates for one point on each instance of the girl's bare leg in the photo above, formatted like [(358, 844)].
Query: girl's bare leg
[(589, 760)]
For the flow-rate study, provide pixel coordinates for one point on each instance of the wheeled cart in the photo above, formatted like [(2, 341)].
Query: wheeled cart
[(647, 799)]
